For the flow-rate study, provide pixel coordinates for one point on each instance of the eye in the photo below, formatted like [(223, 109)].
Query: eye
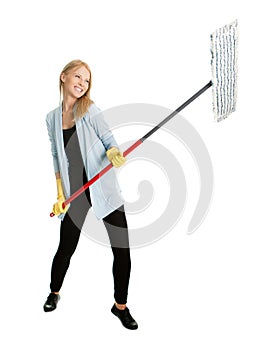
[(77, 76), (87, 81)]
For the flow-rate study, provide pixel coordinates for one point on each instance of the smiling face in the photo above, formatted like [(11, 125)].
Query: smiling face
[(76, 82)]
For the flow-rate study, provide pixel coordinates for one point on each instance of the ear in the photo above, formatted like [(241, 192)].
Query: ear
[(62, 77)]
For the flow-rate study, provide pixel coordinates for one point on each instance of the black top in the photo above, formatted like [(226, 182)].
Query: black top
[(77, 174)]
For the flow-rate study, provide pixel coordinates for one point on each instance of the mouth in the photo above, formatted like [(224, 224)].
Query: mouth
[(78, 89)]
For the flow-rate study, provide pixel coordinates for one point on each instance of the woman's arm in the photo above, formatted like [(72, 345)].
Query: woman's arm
[(53, 142), (101, 128), (58, 208)]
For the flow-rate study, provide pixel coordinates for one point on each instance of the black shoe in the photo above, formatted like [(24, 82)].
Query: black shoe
[(125, 317), (51, 302)]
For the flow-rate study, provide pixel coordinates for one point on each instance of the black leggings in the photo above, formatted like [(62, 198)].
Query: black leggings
[(70, 229)]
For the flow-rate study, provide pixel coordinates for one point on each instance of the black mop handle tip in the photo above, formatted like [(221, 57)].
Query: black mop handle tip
[(185, 104)]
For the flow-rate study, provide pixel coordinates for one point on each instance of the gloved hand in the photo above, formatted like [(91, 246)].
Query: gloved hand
[(57, 207), (115, 157)]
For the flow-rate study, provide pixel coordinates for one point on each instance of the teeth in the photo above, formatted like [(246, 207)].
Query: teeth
[(78, 89)]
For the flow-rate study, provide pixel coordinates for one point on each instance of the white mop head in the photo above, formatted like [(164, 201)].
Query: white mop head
[(224, 42)]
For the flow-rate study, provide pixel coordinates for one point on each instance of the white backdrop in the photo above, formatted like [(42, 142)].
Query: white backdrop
[(214, 289)]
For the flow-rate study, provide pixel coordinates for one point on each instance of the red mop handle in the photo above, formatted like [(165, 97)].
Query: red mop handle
[(136, 144), (96, 177)]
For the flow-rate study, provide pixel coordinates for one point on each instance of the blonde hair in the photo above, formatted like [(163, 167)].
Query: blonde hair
[(83, 103)]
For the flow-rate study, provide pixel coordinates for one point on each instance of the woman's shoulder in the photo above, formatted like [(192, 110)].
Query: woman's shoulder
[(94, 114), (93, 109), (52, 113)]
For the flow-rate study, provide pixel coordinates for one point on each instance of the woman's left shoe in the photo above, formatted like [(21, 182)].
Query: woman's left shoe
[(125, 317)]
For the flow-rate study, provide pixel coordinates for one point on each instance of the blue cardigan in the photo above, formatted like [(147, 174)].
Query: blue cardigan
[(95, 139)]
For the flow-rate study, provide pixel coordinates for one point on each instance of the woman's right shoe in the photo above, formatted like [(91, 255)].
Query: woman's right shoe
[(51, 302)]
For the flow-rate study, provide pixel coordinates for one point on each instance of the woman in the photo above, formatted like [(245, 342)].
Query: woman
[(81, 144)]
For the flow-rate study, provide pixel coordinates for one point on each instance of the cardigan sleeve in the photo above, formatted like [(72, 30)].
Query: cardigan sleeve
[(97, 121), (49, 122)]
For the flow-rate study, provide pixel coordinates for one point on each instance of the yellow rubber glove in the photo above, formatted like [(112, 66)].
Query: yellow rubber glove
[(57, 207), (115, 157)]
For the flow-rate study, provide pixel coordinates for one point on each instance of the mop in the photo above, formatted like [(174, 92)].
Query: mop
[(224, 42)]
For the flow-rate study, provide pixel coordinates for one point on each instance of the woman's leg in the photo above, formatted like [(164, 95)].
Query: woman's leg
[(69, 237), (116, 226), (70, 229)]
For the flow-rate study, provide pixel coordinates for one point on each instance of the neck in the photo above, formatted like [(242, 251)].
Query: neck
[(68, 104)]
